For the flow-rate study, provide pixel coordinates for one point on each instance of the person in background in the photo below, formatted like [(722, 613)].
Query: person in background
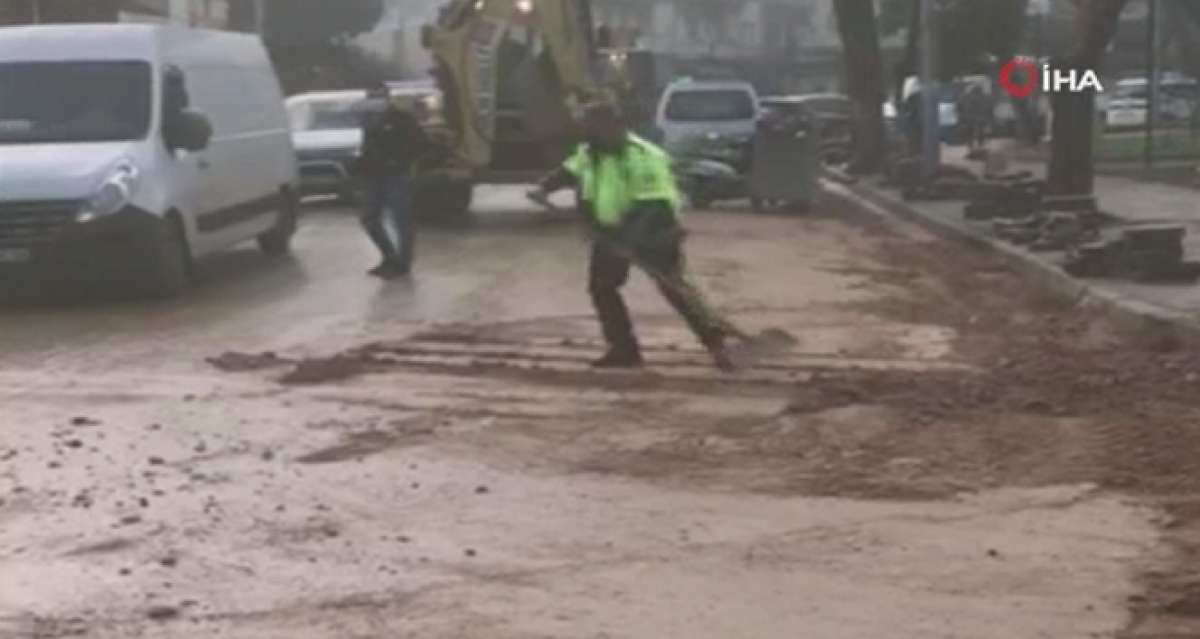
[(628, 194), (393, 141), (912, 115), (975, 108)]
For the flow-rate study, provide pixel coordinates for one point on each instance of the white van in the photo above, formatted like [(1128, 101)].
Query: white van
[(127, 151), (690, 109)]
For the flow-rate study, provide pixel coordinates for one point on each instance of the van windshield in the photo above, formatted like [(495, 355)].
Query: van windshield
[(710, 106), (74, 101)]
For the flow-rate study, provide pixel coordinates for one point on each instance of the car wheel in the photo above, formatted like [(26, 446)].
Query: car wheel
[(278, 240), (171, 270)]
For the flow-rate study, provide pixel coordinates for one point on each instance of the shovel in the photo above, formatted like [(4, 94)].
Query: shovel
[(746, 351)]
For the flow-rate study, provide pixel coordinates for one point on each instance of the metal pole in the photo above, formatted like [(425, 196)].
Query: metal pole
[(1152, 80), (37, 11), (931, 144)]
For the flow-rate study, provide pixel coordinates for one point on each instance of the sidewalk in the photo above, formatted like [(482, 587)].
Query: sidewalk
[(1134, 201), (1128, 302)]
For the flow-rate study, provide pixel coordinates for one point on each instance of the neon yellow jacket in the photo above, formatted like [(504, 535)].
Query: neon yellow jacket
[(612, 183)]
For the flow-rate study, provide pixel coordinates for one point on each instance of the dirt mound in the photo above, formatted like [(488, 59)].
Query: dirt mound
[(325, 370), (234, 362)]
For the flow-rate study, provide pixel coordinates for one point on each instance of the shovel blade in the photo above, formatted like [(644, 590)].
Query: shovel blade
[(771, 343)]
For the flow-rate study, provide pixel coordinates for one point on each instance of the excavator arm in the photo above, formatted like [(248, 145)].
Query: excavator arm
[(470, 45)]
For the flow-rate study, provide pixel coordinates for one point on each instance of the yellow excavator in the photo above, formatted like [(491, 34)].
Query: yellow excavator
[(513, 75)]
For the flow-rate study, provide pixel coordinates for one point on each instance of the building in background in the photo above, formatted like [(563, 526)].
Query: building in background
[(396, 40), (783, 46), (727, 30), (789, 45), (207, 14)]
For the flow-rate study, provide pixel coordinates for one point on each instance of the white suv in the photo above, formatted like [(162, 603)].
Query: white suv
[(690, 109)]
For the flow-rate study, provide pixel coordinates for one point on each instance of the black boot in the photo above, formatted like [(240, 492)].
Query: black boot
[(382, 268), (391, 269), (720, 354)]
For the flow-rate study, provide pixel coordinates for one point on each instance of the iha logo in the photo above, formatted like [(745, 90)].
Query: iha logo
[(1052, 80)]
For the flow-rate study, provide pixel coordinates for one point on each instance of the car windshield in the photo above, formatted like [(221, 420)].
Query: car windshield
[(74, 101), (1183, 91), (710, 106), (828, 105), (782, 108), (1131, 91), (335, 119), (326, 115)]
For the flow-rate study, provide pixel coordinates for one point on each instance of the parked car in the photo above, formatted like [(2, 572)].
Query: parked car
[(1126, 109), (1129, 104), (947, 109), (691, 108), (130, 150), (327, 133)]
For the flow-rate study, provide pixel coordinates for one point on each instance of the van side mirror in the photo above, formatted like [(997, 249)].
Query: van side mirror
[(188, 130)]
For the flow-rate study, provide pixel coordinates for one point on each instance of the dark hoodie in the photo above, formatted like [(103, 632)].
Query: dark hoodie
[(392, 142)]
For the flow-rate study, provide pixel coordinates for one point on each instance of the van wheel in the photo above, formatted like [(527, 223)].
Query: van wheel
[(171, 270), (278, 240)]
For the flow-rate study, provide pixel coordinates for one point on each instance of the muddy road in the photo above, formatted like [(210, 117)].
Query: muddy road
[(944, 454)]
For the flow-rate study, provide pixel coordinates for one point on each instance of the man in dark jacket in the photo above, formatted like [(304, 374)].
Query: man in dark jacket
[(393, 141)]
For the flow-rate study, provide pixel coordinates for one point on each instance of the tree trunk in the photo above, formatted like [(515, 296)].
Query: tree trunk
[(1183, 31), (243, 16), (864, 80), (1071, 170)]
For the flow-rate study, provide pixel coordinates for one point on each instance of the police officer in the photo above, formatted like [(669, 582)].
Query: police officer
[(628, 194), (393, 141)]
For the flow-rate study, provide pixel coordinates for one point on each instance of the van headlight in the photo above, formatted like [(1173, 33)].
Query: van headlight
[(114, 193)]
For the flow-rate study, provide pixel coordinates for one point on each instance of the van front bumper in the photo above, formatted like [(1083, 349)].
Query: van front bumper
[(113, 248)]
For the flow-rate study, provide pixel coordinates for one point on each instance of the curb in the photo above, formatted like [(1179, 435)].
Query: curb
[(1169, 326)]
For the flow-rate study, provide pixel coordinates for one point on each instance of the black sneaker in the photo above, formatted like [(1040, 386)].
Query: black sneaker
[(619, 359), (391, 271)]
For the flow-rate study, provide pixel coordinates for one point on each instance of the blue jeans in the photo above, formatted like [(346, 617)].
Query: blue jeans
[(389, 199)]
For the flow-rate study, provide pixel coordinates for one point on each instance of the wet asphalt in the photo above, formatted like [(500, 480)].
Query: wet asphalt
[(317, 298)]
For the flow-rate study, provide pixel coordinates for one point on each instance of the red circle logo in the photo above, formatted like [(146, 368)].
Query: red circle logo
[(1019, 90)]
